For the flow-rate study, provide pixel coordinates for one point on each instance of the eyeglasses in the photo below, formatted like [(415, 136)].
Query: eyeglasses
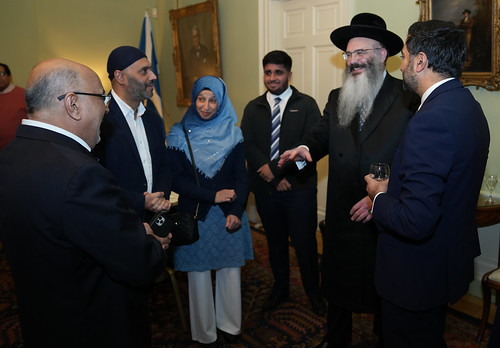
[(358, 53), (106, 97), (3, 73)]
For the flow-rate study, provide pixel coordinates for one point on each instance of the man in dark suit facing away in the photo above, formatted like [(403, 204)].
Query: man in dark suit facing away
[(426, 212)]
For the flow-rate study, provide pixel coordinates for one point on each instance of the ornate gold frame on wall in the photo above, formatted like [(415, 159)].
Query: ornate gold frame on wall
[(489, 80), (205, 17)]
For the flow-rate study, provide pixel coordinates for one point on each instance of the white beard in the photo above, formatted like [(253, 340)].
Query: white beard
[(359, 90)]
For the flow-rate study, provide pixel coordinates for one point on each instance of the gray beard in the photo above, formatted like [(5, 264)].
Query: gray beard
[(359, 90), (138, 89)]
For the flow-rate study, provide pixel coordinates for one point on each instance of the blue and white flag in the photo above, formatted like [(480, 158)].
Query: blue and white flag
[(147, 46)]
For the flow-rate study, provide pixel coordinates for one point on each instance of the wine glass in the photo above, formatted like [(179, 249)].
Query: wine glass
[(491, 183), (379, 171)]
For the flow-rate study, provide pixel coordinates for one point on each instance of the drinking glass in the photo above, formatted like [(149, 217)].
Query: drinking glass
[(379, 171), (491, 183)]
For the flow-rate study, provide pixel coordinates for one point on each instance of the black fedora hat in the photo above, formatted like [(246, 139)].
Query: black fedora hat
[(370, 26)]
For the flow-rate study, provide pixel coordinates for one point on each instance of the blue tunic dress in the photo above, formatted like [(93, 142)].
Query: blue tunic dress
[(217, 147), (216, 248)]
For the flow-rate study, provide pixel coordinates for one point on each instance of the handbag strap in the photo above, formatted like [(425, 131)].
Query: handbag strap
[(192, 157), (194, 167)]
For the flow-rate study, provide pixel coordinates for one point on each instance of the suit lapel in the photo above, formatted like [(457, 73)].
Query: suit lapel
[(265, 129), (116, 116), (381, 104)]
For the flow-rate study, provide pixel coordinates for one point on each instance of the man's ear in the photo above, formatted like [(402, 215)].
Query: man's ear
[(421, 62), (71, 104), (119, 76), (383, 54)]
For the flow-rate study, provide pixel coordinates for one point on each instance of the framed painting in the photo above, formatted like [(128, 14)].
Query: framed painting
[(480, 20), (195, 31)]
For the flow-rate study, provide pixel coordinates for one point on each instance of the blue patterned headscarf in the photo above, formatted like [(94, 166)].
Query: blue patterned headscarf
[(211, 140)]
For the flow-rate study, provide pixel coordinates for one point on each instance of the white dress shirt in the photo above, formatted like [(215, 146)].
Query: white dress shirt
[(139, 133)]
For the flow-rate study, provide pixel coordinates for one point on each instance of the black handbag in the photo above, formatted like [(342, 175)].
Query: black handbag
[(183, 226)]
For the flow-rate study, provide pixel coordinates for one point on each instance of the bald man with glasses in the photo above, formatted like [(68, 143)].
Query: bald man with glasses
[(81, 259)]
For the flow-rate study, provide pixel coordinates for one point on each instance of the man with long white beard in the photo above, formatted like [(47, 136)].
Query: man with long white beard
[(362, 123)]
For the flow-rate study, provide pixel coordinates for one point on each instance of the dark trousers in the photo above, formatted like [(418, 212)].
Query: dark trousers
[(339, 326), (291, 214), (413, 329)]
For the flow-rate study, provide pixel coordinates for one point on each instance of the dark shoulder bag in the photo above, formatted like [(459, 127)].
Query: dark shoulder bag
[(183, 226)]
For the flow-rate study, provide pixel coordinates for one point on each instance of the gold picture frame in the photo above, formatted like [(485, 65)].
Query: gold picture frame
[(195, 32), (482, 68)]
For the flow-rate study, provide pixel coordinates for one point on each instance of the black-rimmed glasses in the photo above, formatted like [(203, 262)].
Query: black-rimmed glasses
[(358, 53), (106, 97)]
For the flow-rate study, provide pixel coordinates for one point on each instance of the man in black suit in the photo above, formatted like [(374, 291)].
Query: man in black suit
[(362, 123), (285, 197), (133, 136), (426, 212), (81, 259)]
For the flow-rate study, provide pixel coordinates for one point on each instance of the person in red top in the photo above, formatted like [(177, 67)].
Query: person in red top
[(12, 106)]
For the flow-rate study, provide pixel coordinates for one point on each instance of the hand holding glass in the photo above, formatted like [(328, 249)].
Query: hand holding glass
[(491, 183), (379, 171)]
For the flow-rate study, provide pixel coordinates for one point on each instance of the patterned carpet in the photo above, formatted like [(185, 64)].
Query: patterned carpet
[(291, 325)]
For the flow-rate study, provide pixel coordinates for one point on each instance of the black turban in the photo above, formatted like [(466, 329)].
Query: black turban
[(122, 57)]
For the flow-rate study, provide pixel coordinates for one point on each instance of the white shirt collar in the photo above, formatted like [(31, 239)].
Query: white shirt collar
[(283, 96), (57, 130), (127, 110), (431, 89)]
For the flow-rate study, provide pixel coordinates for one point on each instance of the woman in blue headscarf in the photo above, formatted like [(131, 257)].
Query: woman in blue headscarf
[(225, 241)]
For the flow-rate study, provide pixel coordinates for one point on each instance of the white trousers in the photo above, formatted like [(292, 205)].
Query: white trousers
[(225, 314)]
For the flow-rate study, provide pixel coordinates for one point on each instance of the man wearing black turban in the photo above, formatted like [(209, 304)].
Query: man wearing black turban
[(132, 143)]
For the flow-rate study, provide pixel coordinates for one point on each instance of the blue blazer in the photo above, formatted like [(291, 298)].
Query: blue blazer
[(428, 235), (118, 152)]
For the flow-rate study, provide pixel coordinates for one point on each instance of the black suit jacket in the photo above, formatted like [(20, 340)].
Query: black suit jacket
[(80, 258), (350, 247), (300, 115), (118, 152)]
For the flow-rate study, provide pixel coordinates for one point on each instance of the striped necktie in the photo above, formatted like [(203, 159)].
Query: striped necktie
[(362, 117), (275, 130)]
